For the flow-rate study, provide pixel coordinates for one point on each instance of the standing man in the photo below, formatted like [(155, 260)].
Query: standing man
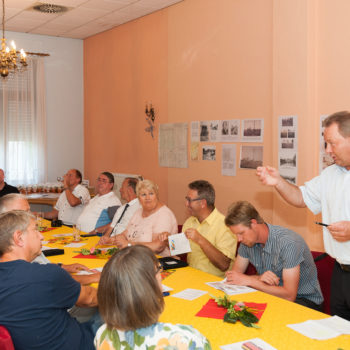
[(213, 245), (125, 212), (281, 257), (34, 298), (4, 187), (328, 193), (72, 200), (104, 198)]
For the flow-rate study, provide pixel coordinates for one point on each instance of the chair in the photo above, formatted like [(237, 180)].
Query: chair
[(324, 264), (5, 339)]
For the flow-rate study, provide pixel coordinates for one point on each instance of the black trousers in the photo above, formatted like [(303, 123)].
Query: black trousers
[(340, 292)]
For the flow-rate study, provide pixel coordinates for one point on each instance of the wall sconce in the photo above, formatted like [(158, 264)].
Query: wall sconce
[(150, 119)]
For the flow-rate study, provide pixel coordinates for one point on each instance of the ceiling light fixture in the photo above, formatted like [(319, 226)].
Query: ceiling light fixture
[(9, 57)]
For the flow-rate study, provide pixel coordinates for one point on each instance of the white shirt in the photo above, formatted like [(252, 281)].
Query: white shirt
[(88, 218), (66, 212), (129, 213), (330, 193)]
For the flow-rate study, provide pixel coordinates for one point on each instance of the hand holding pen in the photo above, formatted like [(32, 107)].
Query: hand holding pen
[(340, 230)]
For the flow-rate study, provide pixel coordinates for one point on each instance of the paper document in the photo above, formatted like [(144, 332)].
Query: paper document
[(166, 288), (255, 343), (179, 244), (62, 234), (74, 245), (230, 289), (315, 330), (189, 294), (90, 272)]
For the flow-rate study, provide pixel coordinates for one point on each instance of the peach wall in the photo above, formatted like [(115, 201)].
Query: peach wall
[(204, 60), (124, 68), (220, 68)]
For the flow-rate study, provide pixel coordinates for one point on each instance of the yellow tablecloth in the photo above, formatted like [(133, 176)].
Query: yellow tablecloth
[(277, 315)]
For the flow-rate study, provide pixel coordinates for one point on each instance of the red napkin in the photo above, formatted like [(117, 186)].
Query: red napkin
[(212, 310)]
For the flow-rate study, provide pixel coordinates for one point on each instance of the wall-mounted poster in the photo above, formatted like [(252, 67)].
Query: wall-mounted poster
[(228, 160), (252, 130), (325, 159), (288, 142), (251, 157), (229, 130), (204, 134), (194, 131), (172, 145), (194, 150), (209, 153), (214, 130)]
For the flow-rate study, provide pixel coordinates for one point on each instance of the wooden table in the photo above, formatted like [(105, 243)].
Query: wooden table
[(43, 198), (278, 313)]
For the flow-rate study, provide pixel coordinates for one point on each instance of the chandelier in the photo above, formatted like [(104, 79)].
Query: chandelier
[(8, 57)]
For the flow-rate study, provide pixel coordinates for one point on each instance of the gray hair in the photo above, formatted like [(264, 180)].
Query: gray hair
[(6, 201), (342, 119), (10, 222), (205, 191)]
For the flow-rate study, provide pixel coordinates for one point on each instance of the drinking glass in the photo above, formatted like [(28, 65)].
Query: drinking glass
[(76, 233)]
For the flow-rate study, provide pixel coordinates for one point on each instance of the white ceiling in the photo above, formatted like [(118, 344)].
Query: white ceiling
[(85, 18)]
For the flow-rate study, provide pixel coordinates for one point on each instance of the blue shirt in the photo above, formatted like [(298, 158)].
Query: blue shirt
[(34, 300), (285, 249)]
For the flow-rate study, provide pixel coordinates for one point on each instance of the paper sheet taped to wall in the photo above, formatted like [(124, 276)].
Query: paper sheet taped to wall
[(172, 146)]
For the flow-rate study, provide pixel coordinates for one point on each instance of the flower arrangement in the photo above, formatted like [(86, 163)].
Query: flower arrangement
[(98, 252), (237, 311)]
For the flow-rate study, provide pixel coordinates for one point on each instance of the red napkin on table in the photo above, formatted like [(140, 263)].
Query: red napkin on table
[(212, 310), (81, 256)]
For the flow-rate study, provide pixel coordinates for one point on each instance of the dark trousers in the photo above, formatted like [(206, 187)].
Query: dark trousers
[(340, 292), (310, 304)]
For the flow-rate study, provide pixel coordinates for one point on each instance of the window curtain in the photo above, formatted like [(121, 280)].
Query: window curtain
[(23, 150)]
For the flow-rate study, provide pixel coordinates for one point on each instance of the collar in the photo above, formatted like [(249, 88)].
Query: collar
[(133, 201), (210, 218)]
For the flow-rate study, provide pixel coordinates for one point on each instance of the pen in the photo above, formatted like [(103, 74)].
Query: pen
[(321, 223), (165, 294)]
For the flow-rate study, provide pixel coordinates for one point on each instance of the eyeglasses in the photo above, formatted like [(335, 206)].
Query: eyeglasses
[(190, 200)]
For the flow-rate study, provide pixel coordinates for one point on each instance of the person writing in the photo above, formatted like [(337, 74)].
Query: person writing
[(281, 257)]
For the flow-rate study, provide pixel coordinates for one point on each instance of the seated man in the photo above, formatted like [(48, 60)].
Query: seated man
[(281, 257), (213, 245), (4, 187), (34, 298), (72, 200), (15, 201), (125, 212), (105, 197)]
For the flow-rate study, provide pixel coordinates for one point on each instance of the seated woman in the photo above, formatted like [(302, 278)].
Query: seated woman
[(151, 220), (131, 300)]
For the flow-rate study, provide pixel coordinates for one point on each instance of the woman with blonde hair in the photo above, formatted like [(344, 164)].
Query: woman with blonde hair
[(130, 302), (148, 223)]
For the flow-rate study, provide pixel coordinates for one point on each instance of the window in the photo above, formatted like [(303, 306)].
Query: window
[(23, 125)]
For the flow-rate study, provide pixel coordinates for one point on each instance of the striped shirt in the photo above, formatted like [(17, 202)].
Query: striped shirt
[(285, 249)]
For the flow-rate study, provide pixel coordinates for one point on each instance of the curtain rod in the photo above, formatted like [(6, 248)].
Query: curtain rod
[(37, 54)]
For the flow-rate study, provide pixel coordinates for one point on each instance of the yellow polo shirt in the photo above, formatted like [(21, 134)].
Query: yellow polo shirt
[(213, 228)]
